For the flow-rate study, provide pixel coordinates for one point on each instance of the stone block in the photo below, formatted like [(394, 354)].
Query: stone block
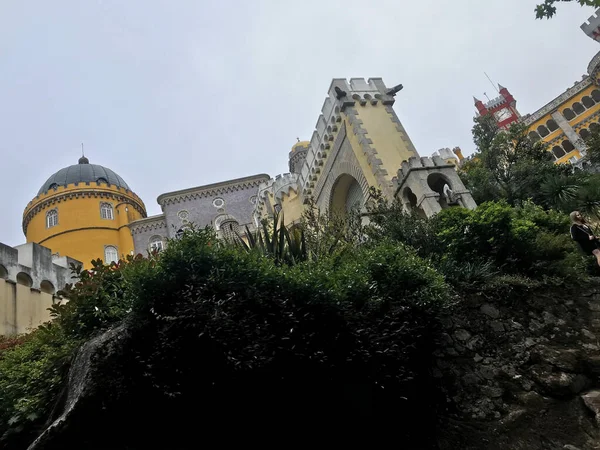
[(490, 311)]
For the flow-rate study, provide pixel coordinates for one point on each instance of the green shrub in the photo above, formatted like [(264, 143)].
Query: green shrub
[(523, 240), (31, 376)]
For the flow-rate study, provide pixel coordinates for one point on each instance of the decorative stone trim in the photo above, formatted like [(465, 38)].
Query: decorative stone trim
[(211, 190), (371, 153), (400, 128), (554, 104), (356, 90), (148, 224), (71, 195), (345, 168)]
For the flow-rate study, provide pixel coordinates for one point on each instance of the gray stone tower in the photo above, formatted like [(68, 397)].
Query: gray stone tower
[(298, 156), (428, 185)]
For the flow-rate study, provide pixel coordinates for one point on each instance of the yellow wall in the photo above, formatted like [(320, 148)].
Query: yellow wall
[(387, 140), (22, 308), (81, 233), (292, 207), (575, 122)]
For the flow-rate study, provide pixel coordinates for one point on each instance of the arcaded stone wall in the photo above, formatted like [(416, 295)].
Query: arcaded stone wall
[(522, 370)]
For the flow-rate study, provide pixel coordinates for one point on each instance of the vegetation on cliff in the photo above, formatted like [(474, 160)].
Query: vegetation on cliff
[(329, 318)]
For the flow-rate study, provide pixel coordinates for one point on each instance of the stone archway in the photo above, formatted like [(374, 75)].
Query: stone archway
[(409, 199), (346, 195), (339, 170), (436, 182)]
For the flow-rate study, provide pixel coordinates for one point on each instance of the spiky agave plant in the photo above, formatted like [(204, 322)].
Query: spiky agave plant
[(285, 246), (559, 192)]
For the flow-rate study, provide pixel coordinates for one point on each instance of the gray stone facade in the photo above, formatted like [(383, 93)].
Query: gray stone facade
[(226, 202)]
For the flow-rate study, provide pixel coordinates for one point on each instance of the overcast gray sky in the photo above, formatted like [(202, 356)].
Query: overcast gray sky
[(175, 94)]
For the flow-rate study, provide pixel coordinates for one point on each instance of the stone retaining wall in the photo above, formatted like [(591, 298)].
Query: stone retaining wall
[(523, 371)]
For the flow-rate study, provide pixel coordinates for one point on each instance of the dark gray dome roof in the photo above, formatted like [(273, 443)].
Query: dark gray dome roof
[(83, 172)]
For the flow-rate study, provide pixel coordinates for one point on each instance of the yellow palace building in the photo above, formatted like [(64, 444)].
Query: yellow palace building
[(83, 211), (565, 122)]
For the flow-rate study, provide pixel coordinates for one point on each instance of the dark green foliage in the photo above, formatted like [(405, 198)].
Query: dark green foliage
[(224, 332), (473, 246), (507, 165), (99, 299), (31, 376), (548, 8), (285, 246)]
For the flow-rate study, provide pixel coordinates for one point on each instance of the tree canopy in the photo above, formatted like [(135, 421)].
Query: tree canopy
[(548, 9)]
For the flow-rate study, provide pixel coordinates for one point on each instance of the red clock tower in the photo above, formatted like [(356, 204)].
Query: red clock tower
[(503, 108)]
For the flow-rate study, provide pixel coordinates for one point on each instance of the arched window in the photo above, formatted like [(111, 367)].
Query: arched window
[(47, 287), (543, 131), (584, 133), (578, 108), (24, 279), (568, 146), (587, 102), (596, 95), (230, 229), (569, 115), (594, 127), (51, 218), (558, 152), (156, 244), (102, 181), (106, 211), (111, 255), (534, 136), (551, 124)]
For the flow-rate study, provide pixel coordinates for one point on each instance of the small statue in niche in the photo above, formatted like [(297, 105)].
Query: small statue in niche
[(449, 194)]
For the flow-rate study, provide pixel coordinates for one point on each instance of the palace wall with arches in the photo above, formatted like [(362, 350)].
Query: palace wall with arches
[(30, 278)]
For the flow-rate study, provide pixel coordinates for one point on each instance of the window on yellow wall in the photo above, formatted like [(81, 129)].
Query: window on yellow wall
[(111, 254), (578, 108), (51, 218), (552, 125), (587, 102), (568, 146), (106, 211), (558, 152), (569, 115)]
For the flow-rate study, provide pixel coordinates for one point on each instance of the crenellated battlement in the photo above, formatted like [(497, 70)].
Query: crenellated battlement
[(592, 26), (36, 267), (422, 163), (274, 189), (342, 94)]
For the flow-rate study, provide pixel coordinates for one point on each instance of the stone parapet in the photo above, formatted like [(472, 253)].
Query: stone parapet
[(33, 264)]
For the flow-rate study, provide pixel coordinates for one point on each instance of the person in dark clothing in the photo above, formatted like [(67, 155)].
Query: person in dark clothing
[(584, 236)]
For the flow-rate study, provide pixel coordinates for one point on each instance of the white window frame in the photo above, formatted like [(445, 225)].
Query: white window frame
[(52, 218), (110, 248), (106, 211), (156, 244)]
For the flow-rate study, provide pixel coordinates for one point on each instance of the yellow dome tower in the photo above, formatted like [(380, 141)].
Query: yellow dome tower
[(82, 211)]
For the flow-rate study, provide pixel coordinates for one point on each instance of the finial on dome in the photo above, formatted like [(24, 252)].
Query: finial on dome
[(83, 159)]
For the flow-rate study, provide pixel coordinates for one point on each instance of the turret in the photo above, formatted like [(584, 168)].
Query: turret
[(481, 109), (298, 156)]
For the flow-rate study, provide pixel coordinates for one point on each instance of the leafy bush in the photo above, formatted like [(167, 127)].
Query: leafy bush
[(471, 246), (31, 376), (99, 299)]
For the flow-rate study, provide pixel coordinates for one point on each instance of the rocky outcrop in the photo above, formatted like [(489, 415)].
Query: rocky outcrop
[(522, 371), (518, 370)]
